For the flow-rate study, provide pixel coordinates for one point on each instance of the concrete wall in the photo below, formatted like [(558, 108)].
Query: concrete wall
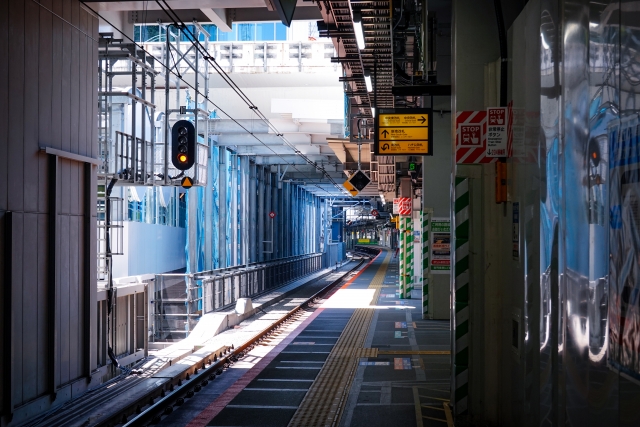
[(48, 98), (475, 41), (436, 190)]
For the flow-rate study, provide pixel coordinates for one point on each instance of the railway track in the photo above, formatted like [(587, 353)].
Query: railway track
[(160, 393)]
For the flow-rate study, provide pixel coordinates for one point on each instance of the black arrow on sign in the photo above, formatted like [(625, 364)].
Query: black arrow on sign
[(385, 147), (385, 133), (422, 120)]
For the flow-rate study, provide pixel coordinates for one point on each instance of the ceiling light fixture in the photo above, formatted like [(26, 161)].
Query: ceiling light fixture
[(367, 80), (358, 30)]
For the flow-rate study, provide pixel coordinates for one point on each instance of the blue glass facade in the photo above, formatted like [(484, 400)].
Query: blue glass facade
[(245, 32)]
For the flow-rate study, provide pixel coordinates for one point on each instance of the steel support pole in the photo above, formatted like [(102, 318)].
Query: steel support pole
[(253, 213), (275, 206), (234, 210), (134, 108), (165, 132), (207, 199), (143, 127), (286, 219), (261, 212), (269, 207), (222, 207), (244, 209)]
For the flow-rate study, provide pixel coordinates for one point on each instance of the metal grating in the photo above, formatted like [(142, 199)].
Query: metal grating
[(376, 59)]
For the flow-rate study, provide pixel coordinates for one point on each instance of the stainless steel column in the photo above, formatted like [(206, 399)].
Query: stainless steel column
[(243, 221), (261, 212), (253, 213), (222, 207), (234, 210)]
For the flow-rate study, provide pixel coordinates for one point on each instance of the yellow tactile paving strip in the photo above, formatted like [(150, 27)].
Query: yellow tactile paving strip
[(324, 402)]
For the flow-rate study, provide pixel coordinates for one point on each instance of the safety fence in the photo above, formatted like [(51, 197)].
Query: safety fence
[(180, 299)]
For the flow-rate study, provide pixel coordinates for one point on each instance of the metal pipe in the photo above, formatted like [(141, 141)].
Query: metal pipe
[(165, 132)]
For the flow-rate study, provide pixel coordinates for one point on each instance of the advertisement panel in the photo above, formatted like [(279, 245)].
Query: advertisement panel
[(440, 246)]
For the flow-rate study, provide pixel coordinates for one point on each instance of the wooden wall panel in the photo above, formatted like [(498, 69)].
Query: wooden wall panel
[(31, 144), (41, 363), (56, 78), (4, 104), (93, 267), (83, 92), (15, 132), (4, 381), (75, 76), (75, 290), (94, 92), (45, 101), (16, 307), (48, 93), (63, 285), (29, 333), (4, 101), (66, 77)]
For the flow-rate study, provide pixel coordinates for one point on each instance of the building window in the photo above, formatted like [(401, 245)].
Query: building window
[(281, 31), (265, 32), (246, 32), (240, 32)]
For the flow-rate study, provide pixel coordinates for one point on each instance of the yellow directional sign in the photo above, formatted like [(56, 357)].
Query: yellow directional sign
[(393, 148), (350, 188), (403, 134), (404, 119), (403, 131)]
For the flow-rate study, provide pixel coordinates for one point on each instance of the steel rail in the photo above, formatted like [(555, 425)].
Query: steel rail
[(187, 383)]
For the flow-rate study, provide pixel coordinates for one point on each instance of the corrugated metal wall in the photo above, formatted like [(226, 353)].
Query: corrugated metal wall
[(48, 98)]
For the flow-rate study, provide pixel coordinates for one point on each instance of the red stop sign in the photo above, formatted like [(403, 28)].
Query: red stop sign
[(272, 214)]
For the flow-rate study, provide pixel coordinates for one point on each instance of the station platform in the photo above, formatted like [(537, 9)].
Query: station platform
[(362, 357)]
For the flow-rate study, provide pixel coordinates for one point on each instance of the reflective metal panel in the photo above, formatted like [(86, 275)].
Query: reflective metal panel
[(550, 199), (602, 105), (623, 21), (577, 233)]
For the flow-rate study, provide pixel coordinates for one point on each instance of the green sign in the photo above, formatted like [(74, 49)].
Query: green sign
[(440, 246), (413, 166), (441, 226)]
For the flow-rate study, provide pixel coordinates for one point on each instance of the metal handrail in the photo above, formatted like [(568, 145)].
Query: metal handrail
[(218, 289)]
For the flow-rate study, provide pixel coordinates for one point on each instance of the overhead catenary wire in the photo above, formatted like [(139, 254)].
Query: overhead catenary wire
[(222, 111), (171, 14)]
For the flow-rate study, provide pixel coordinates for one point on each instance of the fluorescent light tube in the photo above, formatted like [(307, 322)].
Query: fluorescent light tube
[(358, 30), (367, 80)]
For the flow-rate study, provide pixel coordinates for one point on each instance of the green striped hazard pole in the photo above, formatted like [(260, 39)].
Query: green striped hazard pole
[(401, 244), (426, 264), (408, 235), (461, 298)]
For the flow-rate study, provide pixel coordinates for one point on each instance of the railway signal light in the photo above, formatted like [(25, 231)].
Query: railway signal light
[(183, 145)]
